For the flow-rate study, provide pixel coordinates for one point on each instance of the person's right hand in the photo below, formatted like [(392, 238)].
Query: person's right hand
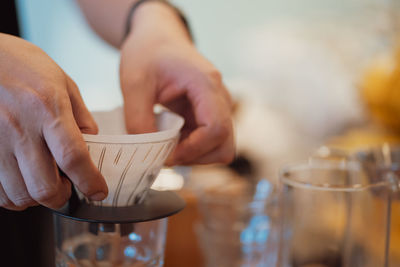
[(42, 116)]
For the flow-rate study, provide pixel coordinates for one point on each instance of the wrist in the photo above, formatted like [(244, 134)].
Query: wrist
[(158, 21)]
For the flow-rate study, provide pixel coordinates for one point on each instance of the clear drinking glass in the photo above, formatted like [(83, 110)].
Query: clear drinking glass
[(385, 161), (239, 231), (87, 244), (335, 215)]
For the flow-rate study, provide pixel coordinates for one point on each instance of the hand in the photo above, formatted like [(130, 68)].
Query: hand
[(41, 119), (159, 64)]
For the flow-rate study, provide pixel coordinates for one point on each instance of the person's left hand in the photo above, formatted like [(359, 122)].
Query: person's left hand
[(159, 64)]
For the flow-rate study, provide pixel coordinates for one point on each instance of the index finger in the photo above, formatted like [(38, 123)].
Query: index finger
[(68, 148)]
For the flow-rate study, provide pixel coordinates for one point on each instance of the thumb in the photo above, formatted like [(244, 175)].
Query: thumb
[(82, 116), (138, 108)]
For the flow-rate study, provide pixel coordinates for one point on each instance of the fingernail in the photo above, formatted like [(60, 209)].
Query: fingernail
[(98, 196)]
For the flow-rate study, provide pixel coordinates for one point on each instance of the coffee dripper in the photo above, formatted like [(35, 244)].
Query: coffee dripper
[(127, 228)]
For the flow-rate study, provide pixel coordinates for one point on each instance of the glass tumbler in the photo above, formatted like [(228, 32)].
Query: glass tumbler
[(335, 215), (239, 231), (86, 244)]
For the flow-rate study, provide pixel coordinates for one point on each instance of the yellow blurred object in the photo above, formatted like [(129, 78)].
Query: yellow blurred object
[(380, 89), (357, 139)]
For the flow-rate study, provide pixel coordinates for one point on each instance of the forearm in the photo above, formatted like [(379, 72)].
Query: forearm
[(153, 18)]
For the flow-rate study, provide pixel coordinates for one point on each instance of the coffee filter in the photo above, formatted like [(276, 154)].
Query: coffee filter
[(130, 162)]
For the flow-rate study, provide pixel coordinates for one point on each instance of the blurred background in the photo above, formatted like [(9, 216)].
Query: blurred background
[(303, 74), (294, 67)]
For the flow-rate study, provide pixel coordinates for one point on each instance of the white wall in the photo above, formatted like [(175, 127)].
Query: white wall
[(58, 27)]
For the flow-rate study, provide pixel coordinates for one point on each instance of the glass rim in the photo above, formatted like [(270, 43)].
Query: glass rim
[(321, 164)]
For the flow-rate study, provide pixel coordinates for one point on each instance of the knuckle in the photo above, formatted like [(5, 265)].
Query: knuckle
[(38, 100), (9, 122), (73, 156), (130, 81), (56, 198), (221, 131), (215, 77), (23, 201), (45, 195), (45, 101)]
